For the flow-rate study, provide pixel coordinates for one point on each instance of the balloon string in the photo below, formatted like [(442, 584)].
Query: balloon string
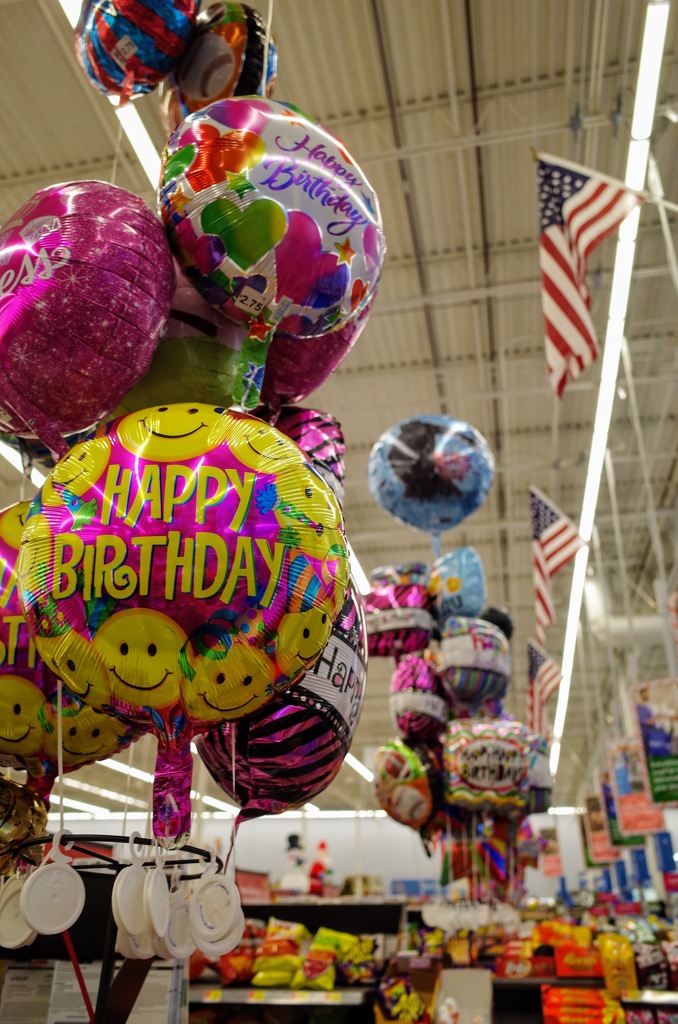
[(233, 728), (436, 543), (269, 20), (60, 752), (130, 758)]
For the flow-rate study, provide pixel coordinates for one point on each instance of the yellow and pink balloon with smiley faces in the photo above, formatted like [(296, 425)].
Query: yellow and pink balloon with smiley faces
[(179, 570)]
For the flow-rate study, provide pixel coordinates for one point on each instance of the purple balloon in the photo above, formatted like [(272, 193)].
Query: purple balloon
[(297, 366), (292, 750), (418, 706), (86, 279), (398, 619)]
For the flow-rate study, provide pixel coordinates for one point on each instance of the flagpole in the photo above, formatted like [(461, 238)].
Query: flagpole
[(614, 675), (632, 657), (661, 586), (657, 193), (570, 165)]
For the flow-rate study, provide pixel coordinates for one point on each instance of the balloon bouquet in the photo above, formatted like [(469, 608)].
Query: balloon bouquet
[(462, 773), (183, 571)]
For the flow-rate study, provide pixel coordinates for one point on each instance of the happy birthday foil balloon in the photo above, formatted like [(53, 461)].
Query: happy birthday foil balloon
[(126, 47), (180, 569), (198, 354), (225, 58), (416, 700), (23, 815), (539, 775), (405, 784), (321, 437), (295, 367), (475, 662), (487, 765), (397, 608), (431, 472), (293, 748), (458, 584), (272, 221), (86, 279)]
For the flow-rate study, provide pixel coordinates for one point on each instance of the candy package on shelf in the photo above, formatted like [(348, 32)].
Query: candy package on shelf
[(363, 963), (280, 956), (318, 969)]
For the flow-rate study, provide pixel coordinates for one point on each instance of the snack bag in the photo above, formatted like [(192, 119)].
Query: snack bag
[(431, 941), (400, 1000), (618, 964), (317, 970), (363, 963), (671, 951), (238, 966), (275, 971), (652, 966), (283, 938)]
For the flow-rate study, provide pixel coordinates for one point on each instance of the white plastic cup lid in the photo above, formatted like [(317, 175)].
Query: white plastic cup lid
[(15, 931), (52, 898), (156, 903), (213, 908), (127, 900), (227, 943)]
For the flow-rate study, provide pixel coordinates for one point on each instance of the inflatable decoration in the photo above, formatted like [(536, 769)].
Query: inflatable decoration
[(28, 690), (126, 47), (418, 706), (320, 436), (458, 584), (398, 619), (225, 58), (499, 617), (23, 815), (403, 573), (431, 472), (179, 570), (475, 662), (295, 367), (35, 455), (539, 776), (487, 765), (405, 784), (198, 354), (292, 749), (273, 223), (85, 285)]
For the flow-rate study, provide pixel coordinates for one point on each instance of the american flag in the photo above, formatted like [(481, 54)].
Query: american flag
[(578, 209), (544, 679), (555, 542)]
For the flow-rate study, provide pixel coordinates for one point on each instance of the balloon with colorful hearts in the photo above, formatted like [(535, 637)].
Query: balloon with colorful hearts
[(127, 47), (397, 607), (458, 584), (227, 56), (540, 778), (292, 749), (321, 437), (85, 289), (475, 662), (23, 816), (273, 223), (29, 690), (295, 367), (487, 766), (180, 569), (417, 701), (406, 784)]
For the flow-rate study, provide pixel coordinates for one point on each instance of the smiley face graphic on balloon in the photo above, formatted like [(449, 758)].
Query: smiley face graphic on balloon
[(87, 734), (173, 433), (12, 522), (229, 682), (259, 446), (302, 637), (20, 704), (140, 649), (74, 659), (78, 471)]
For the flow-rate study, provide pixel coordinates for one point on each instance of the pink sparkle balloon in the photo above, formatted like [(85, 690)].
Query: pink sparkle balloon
[(86, 279), (417, 702)]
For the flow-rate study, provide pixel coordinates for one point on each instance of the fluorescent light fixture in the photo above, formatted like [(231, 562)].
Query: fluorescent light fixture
[(643, 119), (71, 9), (359, 767), (567, 810), (311, 808), (357, 572), (112, 816), (108, 794), (14, 459), (78, 805), (220, 805), (118, 766)]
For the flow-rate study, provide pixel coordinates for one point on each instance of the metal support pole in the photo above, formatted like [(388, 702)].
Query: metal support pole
[(657, 192), (661, 587), (621, 559), (612, 664)]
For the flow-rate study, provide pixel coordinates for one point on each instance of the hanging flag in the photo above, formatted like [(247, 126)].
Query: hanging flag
[(578, 209), (544, 678), (555, 541)]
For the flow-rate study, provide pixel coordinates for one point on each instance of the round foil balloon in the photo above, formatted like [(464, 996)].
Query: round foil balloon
[(33, 453), (295, 367), (292, 749), (321, 437), (487, 765), (23, 815), (402, 574), (225, 58), (458, 583), (499, 617), (398, 619), (198, 354), (28, 689), (431, 471), (539, 776), (417, 702), (405, 784), (272, 221), (475, 661), (85, 285), (126, 47), (179, 570)]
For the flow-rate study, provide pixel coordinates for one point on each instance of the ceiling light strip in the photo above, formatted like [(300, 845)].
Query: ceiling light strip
[(649, 70)]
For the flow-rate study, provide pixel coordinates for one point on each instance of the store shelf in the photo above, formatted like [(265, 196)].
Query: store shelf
[(202, 994)]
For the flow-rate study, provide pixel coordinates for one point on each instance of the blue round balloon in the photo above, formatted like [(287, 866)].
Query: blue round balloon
[(458, 583), (431, 471)]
